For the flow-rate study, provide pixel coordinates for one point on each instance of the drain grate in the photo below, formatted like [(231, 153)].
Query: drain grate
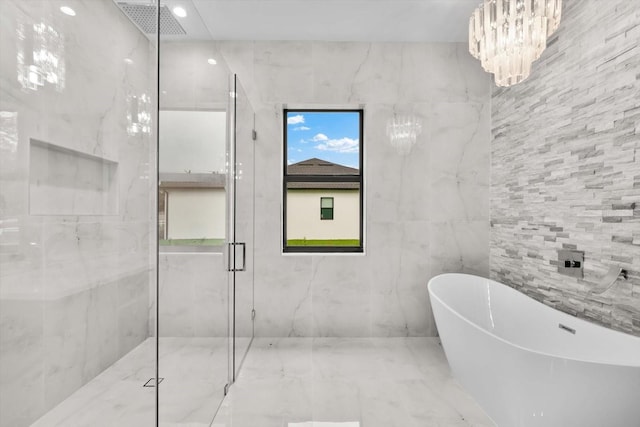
[(144, 16), (152, 382)]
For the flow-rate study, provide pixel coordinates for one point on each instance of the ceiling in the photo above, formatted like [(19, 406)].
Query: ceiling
[(327, 20)]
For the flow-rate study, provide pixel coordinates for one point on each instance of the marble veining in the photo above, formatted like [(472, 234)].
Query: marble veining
[(64, 181), (75, 256), (414, 204), (377, 382), (194, 372), (193, 295)]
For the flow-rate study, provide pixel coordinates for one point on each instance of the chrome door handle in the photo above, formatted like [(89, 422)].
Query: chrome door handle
[(232, 248), (244, 256)]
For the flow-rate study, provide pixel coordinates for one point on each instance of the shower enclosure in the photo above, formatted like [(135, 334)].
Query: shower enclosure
[(126, 216)]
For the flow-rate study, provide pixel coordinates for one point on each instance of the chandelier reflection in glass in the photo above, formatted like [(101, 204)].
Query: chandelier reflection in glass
[(402, 130), (40, 56), (508, 35), (138, 114)]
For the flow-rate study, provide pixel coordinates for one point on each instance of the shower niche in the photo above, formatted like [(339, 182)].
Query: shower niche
[(63, 181)]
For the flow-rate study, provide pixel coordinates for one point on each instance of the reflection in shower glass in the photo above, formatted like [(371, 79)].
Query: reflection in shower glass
[(40, 54), (77, 239), (192, 195)]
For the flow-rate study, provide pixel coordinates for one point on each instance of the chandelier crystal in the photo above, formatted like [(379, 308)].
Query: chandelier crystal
[(40, 56), (402, 131), (508, 35)]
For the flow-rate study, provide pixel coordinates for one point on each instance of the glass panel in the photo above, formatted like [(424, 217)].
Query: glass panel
[(193, 316), (323, 142), (305, 227), (191, 208), (77, 185), (243, 231)]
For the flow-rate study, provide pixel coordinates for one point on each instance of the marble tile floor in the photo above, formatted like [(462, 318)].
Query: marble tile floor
[(194, 372), (284, 382), (347, 382)]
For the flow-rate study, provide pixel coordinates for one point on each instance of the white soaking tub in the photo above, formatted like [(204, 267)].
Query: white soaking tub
[(529, 365)]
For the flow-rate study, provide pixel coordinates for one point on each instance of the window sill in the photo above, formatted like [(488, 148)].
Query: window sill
[(323, 253), (168, 249)]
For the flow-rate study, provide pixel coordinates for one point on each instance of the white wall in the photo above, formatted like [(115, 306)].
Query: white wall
[(426, 213), (196, 213), (303, 215)]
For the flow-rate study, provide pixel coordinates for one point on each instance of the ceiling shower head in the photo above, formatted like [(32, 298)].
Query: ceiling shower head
[(144, 16)]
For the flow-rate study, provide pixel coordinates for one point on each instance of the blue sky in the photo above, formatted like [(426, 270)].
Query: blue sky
[(331, 136)]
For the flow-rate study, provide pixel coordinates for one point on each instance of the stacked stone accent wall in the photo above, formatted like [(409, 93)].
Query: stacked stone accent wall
[(566, 166)]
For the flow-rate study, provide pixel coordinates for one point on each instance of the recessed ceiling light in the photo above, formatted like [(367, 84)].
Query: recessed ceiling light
[(212, 61), (68, 11), (128, 60), (179, 12)]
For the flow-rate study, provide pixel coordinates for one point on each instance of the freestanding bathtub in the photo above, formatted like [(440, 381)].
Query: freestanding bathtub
[(529, 365)]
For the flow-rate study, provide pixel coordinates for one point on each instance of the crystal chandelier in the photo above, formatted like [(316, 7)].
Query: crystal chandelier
[(508, 35), (402, 131)]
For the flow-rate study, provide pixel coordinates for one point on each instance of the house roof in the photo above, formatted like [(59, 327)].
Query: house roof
[(192, 180), (321, 167), (316, 166), (323, 185)]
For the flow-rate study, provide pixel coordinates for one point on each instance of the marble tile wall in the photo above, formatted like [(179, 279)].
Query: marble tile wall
[(426, 213), (566, 166), (193, 295), (74, 287), (188, 81)]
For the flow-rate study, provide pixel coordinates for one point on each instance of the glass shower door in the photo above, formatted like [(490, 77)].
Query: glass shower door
[(241, 220), (193, 297)]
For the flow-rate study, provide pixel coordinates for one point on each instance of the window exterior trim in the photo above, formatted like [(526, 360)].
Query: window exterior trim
[(359, 178)]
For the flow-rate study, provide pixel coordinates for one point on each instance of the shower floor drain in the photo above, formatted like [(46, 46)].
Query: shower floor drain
[(152, 382)]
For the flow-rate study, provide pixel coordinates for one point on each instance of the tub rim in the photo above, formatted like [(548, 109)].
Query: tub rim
[(520, 347)]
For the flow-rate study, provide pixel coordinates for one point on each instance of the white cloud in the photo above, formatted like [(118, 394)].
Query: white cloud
[(320, 137), (294, 120), (342, 145), (302, 128)]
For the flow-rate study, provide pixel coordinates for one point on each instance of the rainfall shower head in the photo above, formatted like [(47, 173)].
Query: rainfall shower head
[(143, 15)]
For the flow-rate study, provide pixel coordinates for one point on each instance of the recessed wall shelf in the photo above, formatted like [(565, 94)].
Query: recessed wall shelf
[(63, 181)]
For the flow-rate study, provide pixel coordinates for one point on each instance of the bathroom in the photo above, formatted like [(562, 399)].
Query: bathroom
[(104, 323)]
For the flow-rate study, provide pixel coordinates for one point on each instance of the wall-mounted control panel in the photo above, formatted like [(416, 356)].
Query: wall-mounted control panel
[(571, 263)]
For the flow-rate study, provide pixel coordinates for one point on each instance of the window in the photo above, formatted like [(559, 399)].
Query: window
[(323, 161), (326, 207)]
